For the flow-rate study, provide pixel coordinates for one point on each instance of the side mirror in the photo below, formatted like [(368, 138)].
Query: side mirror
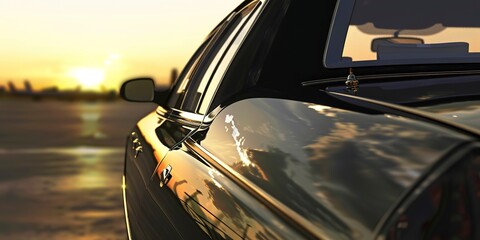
[(138, 90), (143, 90)]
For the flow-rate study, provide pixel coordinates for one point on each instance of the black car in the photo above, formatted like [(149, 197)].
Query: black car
[(334, 119)]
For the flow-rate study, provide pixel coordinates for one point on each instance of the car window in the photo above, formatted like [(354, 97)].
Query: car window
[(447, 209), (188, 91), (387, 32), (233, 46), (180, 87), (215, 55)]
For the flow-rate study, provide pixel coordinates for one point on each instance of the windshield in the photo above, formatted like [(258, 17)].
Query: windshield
[(388, 32)]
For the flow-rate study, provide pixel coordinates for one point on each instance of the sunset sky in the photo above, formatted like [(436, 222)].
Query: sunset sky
[(91, 43)]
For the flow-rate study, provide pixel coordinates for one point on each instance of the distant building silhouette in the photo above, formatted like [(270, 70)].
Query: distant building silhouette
[(11, 87), (28, 86), (50, 90), (173, 76), (56, 94)]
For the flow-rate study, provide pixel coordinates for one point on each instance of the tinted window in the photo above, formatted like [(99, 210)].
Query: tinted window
[(388, 32), (448, 209), (217, 77), (180, 88), (189, 90), (280, 51), (216, 55)]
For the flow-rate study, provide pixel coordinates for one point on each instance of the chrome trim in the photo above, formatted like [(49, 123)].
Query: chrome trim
[(136, 143), (469, 131), (392, 75), (188, 120), (194, 120), (188, 115), (211, 116), (165, 176), (161, 111), (124, 195), (138, 150), (225, 60), (284, 212)]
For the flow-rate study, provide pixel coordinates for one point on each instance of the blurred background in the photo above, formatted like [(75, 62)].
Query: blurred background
[(62, 124)]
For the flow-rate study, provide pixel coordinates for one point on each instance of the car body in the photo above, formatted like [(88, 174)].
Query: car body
[(272, 132)]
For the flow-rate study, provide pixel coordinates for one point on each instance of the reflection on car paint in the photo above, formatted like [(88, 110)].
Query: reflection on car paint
[(342, 154), (464, 112), (238, 141), (212, 172), (441, 209), (244, 154), (218, 205)]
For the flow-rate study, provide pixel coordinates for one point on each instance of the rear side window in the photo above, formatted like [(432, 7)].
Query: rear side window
[(388, 32)]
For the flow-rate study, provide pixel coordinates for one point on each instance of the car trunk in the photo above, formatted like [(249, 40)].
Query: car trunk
[(455, 98)]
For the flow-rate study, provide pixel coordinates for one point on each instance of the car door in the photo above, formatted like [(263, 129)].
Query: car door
[(153, 212), (184, 176)]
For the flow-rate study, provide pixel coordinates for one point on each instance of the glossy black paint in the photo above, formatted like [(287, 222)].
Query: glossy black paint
[(351, 147), (285, 152), (218, 207), (321, 161), (445, 204), (153, 214), (463, 112)]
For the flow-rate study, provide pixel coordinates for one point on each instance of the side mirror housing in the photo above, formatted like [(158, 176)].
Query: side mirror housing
[(144, 90), (138, 90)]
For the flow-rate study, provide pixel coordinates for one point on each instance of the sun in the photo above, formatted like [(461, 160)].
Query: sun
[(88, 78)]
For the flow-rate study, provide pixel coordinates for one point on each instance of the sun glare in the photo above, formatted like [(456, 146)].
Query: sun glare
[(88, 78)]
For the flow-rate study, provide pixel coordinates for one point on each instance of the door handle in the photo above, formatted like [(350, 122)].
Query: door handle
[(138, 150), (165, 176), (136, 144)]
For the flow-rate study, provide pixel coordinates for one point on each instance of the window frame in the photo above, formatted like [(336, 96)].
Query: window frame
[(184, 92), (180, 88), (227, 57)]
